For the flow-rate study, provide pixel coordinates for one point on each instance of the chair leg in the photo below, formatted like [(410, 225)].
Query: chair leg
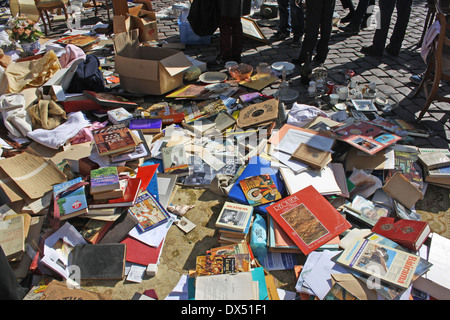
[(95, 8), (48, 18), (43, 21)]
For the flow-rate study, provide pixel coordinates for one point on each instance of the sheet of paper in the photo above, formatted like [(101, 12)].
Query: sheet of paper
[(154, 236), (295, 166), (136, 273), (180, 292)]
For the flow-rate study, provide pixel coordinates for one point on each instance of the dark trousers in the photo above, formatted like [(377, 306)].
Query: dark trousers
[(347, 4), (231, 37), (398, 34), (361, 13), (10, 289), (291, 18), (319, 20)]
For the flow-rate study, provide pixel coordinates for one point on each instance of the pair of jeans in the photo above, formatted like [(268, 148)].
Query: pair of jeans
[(363, 11), (292, 18), (398, 34), (319, 19)]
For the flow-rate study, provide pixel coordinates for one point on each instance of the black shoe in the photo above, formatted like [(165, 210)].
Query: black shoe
[(217, 63), (279, 36), (391, 51), (296, 43), (350, 29), (348, 17), (298, 61), (371, 51)]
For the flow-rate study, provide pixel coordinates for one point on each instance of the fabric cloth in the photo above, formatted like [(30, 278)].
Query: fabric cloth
[(57, 137), (302, 114), (46, 114), (85, 134), (291, 18), (72, 53), (319, 20), (32, 73), (398, 34), (15, 117), (428, 40)]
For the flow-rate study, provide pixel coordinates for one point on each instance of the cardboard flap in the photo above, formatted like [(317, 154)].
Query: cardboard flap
[(137, 68), (176, 63), (126, 39), (354, 286)]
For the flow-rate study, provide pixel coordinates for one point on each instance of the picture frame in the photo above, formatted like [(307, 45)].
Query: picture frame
[(251, 29)]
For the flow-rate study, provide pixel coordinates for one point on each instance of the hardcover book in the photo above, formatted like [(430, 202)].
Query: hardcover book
[(148, 211), (234, 216), (434, 160), (313, 157), (113, 139), (104, 179), (409, 233), (260, 189), (73, 203), (146, 125), (308, 218)]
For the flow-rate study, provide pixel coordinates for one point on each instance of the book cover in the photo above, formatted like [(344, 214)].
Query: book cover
[(308, 218), (74, 203), (214, 264), (148, 211), (234, 216), (393, 266), (113, 139), (434, 160), (146, 125), (94, 230), (167, 113), (109, 100), (175, 160), (119, 115), (260, 189), (120, 228), (104, 179), (313, 157), (140, 253), (203, 109), (12, 236), (409, 233), (366, 136)]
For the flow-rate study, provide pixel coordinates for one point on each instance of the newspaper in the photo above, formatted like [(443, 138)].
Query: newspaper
[(382, 262)]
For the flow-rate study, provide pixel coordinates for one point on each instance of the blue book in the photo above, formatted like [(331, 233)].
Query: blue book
[(256, 166), (72, 204), (258, 275)]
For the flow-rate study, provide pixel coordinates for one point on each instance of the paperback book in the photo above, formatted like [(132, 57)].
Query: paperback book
[(104, 179), (71, 203), (260, 189), (148, 212), (234, 216), (175, 160)]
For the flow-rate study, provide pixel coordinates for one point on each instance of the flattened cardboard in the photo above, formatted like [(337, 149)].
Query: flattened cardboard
[(32, 173), (402, 190)]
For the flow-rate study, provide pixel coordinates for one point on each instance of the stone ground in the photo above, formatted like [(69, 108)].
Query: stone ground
[(391, 74)]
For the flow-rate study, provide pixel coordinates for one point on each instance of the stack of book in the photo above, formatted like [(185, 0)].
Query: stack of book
[(105, 183), (436, 166), (234, 222), (114, 140)]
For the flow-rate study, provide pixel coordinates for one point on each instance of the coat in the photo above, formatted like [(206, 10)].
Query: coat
[(234, 8)]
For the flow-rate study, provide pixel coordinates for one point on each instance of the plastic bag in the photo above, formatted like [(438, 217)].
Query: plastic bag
[(258, 238)]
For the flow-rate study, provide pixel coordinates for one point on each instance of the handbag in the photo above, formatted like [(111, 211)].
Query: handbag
[(204, 17)]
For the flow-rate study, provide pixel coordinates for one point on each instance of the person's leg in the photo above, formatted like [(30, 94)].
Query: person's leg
[(398, 34), (10, 289), (225, 37), (313, 18), (360, 12), (297, 20), (283, 27), (236, 39), (348, 4), (326, 27)]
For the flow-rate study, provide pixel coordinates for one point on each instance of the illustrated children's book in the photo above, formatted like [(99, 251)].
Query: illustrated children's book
[(148, 212), (260, 189), (71, 203)]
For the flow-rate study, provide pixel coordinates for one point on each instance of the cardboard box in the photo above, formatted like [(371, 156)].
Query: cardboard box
[(145, 69), (144, 21)]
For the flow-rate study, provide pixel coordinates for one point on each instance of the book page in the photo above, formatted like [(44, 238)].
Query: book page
[(237, 286)]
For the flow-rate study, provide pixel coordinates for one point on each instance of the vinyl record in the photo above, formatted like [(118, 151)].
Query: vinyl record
[(258, 113)]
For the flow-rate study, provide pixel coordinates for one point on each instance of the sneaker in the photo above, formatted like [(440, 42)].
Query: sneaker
[(279, 36), (416, 78), (371, 51)]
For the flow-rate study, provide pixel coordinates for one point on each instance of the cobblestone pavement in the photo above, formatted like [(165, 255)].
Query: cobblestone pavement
[(391, 74)]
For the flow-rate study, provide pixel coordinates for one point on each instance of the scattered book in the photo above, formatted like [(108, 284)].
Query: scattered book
[(434, 160), (100, 261), (308, 218), (94, 230), (129, 197), (175, 160), (167, 113), (312, 156), (12, 236), (104, 179), (234, 216), (409, 233), (113, 140), (148, 211), (119, 115), (70, 202), (146, 125), (260, 189)]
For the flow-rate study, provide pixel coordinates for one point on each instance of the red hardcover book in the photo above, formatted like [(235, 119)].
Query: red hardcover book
[(308, 219), (129, 197), (141, 253), (410, 234), (146, 173)]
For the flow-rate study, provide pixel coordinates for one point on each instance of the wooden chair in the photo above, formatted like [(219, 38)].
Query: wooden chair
[(45, 6), (431, 14), (438, 67)]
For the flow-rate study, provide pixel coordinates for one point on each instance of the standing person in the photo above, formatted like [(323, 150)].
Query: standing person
[(230, 27), (362, 14), (398, 34), (319, 19), (291, 19)]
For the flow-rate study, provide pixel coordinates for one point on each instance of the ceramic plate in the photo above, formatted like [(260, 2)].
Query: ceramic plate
[(213, 77), (278, 66)]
